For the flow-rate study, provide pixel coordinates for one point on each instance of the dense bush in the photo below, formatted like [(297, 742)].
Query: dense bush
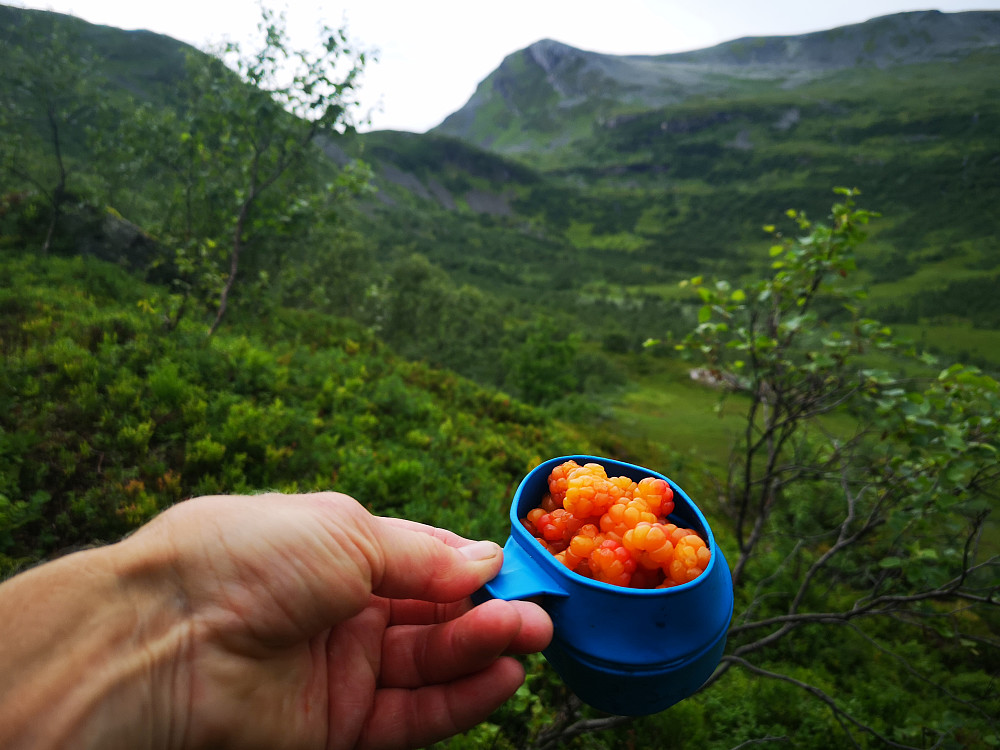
[(107, 418)]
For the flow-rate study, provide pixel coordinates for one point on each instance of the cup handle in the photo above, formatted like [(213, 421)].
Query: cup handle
[(519, 578)]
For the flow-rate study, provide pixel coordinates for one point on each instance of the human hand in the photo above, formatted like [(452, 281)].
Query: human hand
[(306, 622)]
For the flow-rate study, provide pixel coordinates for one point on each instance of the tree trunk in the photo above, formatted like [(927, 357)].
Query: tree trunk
[(234, 263), (59, 194)]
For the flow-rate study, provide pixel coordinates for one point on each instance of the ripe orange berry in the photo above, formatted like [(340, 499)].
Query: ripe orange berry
[(593, 469), (675, 533), (624, 515), (649, 545), (558, 479), (585, 540), (611, 563), (627, 485), (559, 525), (588, 495), (568, 558), (657, 495), (691, 556)]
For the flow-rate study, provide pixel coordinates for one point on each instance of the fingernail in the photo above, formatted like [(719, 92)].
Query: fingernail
[(480, 551)]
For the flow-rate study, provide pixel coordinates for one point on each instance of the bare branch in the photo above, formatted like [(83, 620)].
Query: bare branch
[(553, 739), (842, 716), (936, 684), (761, 741), (567, 724)]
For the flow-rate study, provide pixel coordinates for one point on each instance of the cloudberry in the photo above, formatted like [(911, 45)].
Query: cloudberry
[(559, 480), (649, 544), (611, 563), (657, 495), (529, 522), (614, 529), (585, 540), (675, 533), (589, 495), (574, 562), (559, 525), (624, 515), (691, 556), (627, 485)]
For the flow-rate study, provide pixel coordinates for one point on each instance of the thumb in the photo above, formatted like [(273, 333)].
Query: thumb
[(423, 562)]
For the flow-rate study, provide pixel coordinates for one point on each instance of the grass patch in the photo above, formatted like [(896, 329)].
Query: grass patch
[(670, 408), (956, 342)]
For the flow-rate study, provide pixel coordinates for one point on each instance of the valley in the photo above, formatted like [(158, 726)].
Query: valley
[(767, 269)]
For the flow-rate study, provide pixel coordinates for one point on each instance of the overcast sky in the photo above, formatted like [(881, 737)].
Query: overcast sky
[(432, 53)]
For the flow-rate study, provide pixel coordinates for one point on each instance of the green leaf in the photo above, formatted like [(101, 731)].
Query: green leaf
[(890, 562), (955, 474), (738, 296), (704, 313), (776, 250)]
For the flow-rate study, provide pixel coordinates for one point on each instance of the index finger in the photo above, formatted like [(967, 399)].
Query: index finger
[(417, 612)]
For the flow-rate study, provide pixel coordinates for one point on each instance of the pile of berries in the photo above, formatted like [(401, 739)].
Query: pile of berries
[(615, 530)]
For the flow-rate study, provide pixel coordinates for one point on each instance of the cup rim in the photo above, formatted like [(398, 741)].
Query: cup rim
[(539, 553)]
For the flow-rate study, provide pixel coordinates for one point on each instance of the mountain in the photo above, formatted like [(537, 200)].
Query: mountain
[(144, 64), (652, 168), (588, 185), (550, 93)]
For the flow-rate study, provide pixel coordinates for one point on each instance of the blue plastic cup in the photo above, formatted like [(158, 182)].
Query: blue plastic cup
[(621, 650)]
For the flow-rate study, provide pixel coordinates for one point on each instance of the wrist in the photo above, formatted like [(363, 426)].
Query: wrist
[(89, 654)]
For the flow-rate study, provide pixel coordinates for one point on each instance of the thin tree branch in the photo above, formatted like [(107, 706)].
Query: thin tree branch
[(906, 665), (839, 713), (761, 741)]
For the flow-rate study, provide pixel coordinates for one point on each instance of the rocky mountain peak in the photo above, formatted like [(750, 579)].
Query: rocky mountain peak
[(550, 54), (537, 88)]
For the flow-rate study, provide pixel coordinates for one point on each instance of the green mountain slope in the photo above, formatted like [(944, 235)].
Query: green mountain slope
[(144, 64), (586, 186), (550, 93), (677, 160)]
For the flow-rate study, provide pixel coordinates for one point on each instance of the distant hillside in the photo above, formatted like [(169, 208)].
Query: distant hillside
[(436, 169), (550, 93), (587, 185), (899, 39), (654, 167), (145, 64)]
